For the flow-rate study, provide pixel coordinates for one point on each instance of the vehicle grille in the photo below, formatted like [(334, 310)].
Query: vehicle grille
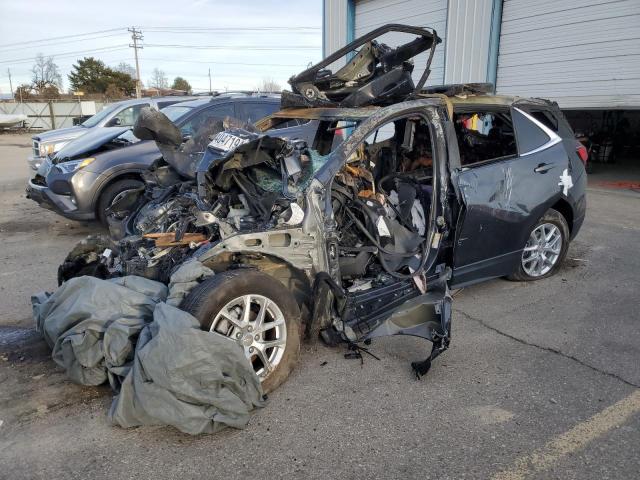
[(36, 148)]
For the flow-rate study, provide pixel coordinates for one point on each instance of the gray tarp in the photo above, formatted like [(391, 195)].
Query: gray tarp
[(163, 367)]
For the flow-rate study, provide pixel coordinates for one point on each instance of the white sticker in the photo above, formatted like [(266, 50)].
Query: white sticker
[(566, 182), (107, 253), (297, 214), (383, 230)]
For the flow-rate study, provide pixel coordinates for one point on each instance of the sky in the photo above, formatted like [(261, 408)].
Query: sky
[(241, 41)]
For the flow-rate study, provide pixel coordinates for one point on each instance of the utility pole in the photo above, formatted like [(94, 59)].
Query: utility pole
[(210, 91), (10, 83), (135, 36)]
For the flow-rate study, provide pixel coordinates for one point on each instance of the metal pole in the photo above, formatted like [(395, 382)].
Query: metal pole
[(135, 36), (10, 83), (210, 91)]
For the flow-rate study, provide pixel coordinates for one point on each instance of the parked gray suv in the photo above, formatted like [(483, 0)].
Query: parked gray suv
[(119, 114), (83, 178)]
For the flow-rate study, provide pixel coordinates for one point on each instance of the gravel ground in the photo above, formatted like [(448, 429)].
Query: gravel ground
[(541, 380)]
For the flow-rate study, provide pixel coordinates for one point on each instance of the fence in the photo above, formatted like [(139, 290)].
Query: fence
[(51, 114)]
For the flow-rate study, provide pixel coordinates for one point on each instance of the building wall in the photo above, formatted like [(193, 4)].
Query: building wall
[(370, 14), (334, 34), (468, 36)]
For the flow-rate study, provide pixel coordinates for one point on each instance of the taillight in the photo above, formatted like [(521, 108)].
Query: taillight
[(582, 152)]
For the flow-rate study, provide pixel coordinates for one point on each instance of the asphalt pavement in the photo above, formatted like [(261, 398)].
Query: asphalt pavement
[(541, 381)]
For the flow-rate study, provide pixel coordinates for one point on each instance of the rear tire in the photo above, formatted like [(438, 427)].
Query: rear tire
[(528, 270), (212, 297), (111, 192)]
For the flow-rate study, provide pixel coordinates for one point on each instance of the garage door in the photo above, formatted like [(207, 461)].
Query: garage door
[(581, 53), (371, 14)]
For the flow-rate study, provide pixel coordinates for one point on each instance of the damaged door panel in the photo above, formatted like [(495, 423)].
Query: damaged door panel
[(504, 152)]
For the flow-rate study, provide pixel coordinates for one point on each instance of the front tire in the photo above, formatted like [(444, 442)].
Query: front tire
[(258, 312), (109, 194), (545, 249)]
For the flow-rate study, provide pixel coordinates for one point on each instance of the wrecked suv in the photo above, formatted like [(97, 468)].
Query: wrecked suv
[(404, 193)]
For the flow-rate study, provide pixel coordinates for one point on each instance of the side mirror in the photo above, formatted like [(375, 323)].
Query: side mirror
[(114, 122)]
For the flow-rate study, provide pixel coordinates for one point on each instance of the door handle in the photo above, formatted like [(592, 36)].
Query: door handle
[(543, 168)]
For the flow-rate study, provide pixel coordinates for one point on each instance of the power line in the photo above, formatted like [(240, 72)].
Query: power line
[(233, 47), (61, 38), (172, 60), (220, 29), (61, 43), (112, 48)]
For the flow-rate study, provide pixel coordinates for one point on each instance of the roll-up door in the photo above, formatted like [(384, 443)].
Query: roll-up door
[(581, 53)]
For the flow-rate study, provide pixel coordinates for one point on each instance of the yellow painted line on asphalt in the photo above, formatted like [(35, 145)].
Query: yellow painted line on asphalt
[(575, 439)]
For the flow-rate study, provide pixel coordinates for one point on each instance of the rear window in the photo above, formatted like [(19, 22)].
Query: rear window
[(530, 135)]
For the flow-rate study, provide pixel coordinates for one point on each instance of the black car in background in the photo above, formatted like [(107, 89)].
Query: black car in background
[(83, 178)]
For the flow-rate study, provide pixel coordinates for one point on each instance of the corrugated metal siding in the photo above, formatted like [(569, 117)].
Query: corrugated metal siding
[(468, 32), (581, 53), (335, 28), (371, 14)]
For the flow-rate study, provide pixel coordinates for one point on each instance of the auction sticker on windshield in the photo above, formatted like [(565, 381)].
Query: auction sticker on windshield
[(226, 141)]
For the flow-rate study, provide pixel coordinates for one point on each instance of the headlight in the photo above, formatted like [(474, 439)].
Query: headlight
[(73, 165), (50, 148)]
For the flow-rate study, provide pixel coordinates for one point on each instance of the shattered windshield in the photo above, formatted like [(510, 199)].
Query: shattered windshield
[(276, 165)]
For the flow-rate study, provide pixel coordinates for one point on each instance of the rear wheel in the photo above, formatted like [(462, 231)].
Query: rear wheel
[(256, 311), (546, 248), (109, 194)]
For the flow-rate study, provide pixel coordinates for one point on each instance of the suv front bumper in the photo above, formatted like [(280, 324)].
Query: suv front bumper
[(63, 204)]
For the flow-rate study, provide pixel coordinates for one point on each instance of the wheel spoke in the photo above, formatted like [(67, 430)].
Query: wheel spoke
[(229, 318), (246, 312), (264, 358), (264, 305), (264, 344), (269, 325)]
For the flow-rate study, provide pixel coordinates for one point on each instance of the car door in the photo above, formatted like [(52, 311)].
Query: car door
[(507, 181)]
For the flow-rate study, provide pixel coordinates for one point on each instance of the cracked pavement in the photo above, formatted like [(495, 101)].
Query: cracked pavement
[(540, 380)]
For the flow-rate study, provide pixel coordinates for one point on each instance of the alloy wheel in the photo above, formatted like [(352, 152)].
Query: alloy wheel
[(257, 324), (542, 250)]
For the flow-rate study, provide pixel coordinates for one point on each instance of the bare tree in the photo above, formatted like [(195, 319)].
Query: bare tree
[(124, 67), (45, 74), (268, 84), (158, 79)]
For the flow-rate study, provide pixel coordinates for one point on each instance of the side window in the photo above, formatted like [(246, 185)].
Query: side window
[(530, 135), (484, 136), (546, 118), (209, 119), (128, 116), (251, 112)]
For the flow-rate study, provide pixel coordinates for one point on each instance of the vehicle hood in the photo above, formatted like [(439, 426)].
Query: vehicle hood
[(92, 140), (61, 134)]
